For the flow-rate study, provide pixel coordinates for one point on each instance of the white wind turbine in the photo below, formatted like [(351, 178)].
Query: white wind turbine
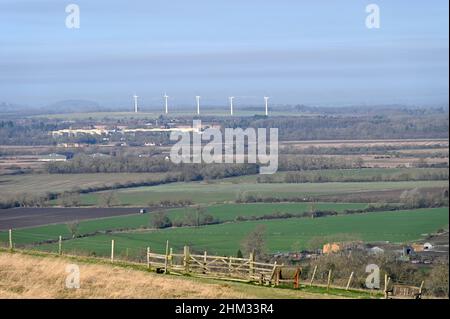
[(198, 104), (266, 100), (166, 97), (135, 103), (231, 104)]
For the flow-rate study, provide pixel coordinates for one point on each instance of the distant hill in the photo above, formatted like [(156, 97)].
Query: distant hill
[(64, 106), (69, 106), (10, 107)]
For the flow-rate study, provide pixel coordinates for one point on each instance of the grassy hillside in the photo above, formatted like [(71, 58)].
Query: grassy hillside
[(34, 276)]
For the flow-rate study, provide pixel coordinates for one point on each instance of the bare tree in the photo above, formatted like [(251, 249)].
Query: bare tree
[(73, 228), (198, 217), (255, 242), (70, 199), (160, 220), (108, 199)]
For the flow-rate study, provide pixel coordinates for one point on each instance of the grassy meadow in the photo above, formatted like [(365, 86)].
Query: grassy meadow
[(216, 197), (229, 190), (221, 212), (281, 235)]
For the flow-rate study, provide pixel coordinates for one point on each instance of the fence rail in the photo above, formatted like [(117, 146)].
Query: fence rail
[(233, 267)]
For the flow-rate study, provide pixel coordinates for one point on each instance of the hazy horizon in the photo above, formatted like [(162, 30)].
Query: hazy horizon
[(297, 52)]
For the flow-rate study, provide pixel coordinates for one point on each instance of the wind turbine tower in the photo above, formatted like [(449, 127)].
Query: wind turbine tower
[(231, 104), (135, 103), (266, 100), (166, 97), (198, 104)]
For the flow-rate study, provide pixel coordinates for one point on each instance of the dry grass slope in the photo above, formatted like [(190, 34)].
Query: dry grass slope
[(31, 277), (25, 276)]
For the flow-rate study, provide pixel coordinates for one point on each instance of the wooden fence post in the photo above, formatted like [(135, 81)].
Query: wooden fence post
[(186, 259), (251, 260), (10, 240), (329, 279), (60, 245), (385, 286), (349, 281), (277, 277), (297, 278), (148, 258), (230, 266), (204, 261), (166, 259), (170, 257), (313, 275), (112, 250)]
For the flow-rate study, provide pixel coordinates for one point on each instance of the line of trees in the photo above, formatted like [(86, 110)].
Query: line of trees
[(325, 177), (415, 198), (357, 127), (197, 217), (82, 163), (382, 149)]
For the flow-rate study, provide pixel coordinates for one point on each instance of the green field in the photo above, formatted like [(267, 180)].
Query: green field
[(371, 174), (282, 235), (223, 213), (229, 190), (360, 174), (42, 183), (33, 183)]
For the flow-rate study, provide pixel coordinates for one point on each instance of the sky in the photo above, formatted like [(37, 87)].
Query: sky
[(297, 52)]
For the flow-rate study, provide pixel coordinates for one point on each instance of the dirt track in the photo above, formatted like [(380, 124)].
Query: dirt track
[(28, 217)]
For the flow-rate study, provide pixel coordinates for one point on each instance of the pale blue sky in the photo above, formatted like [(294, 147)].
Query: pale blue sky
[(298, 52)]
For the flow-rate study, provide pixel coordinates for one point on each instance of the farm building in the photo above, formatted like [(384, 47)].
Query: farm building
[(422, 247), (376, 250), (52, 158), (99, 155), (331, 248), (417, 247)]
